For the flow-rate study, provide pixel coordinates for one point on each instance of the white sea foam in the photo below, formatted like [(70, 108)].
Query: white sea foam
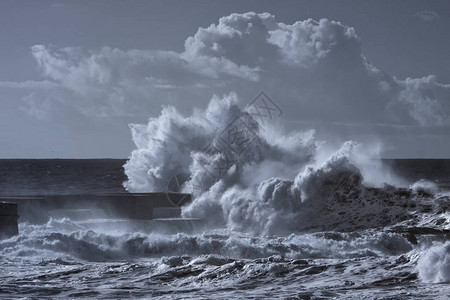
[(68, 243), (434, 264), (425, 186)]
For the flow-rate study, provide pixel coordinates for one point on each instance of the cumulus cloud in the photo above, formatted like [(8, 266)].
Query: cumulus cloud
[(427, 15), (424, 100), (315, 70)]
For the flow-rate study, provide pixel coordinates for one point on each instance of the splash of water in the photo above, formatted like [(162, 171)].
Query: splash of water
[(434, 264), (245, 176)]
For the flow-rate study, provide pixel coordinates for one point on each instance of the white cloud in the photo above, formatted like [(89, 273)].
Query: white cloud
[(313, 69), (308, 42), (29, 84), (38, 107), (424, 100), (427, 15)]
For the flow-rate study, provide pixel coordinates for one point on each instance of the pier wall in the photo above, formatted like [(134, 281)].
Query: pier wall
[(141, 206)]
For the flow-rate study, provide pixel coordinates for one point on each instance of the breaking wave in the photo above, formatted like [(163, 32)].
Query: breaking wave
[(66, 240), (251, 177), (434, 264)]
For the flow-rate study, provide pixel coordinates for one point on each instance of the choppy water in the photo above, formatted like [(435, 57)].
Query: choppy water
[(354, 253)]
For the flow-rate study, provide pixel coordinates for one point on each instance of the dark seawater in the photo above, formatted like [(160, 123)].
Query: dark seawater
[(392, 244), (61, 176), (437, 170), (79, 176)]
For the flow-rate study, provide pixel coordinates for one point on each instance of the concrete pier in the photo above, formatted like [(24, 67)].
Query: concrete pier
[(140, 206), (8, 220)]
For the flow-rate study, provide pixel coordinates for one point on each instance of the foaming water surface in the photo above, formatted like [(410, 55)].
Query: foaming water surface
[(61, 259)]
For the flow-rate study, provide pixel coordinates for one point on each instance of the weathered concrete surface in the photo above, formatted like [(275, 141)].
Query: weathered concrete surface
[(37, 209), (8, 220)]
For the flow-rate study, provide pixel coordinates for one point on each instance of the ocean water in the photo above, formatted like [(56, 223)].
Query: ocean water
[(383, 243), (61, 176)]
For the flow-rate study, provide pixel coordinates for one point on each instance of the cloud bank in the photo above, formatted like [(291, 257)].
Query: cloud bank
[(315, 69)]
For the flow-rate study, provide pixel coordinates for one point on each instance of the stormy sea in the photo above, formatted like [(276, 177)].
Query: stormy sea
[(282, 218), (392, 244)]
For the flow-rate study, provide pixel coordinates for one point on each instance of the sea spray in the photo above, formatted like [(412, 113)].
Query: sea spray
[(434, 264), (245, 176), (275, 205)]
